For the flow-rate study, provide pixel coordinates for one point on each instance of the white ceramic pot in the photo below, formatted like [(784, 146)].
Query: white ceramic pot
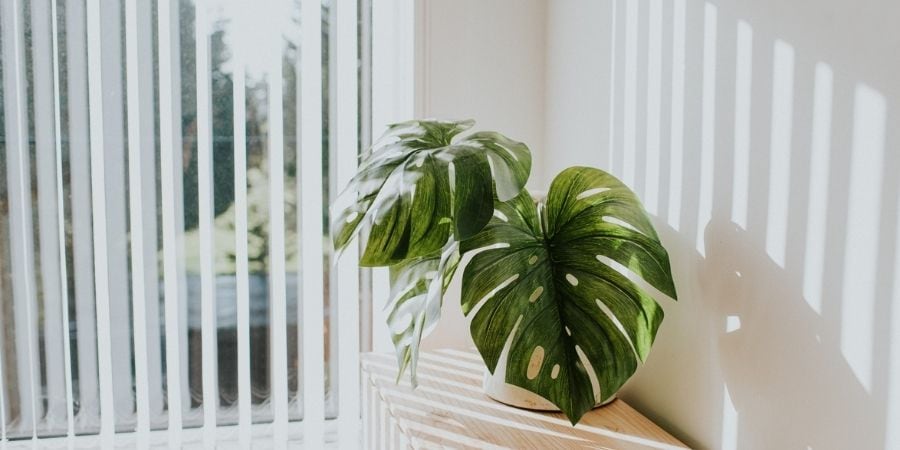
[(496, 387)]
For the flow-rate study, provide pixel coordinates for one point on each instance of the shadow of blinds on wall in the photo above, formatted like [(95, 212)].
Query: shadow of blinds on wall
[(166, 167)]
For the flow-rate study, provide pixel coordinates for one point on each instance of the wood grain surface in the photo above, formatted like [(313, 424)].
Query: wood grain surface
[(450, 410)]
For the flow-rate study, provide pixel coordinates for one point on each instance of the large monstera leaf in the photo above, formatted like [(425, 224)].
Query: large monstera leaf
[(545, 282), (417, 289), (421, 186)]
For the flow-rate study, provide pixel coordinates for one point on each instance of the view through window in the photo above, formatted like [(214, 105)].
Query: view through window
[(50, 361)]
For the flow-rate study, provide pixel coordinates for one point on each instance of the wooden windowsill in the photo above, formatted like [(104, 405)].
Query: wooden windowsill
[(449, 409)]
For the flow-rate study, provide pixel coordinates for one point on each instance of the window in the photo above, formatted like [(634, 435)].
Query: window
[(166, 168)]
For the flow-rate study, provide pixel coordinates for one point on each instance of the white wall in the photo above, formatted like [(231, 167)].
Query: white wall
[(577, 87), (763, 137), (484, 61), (481, 60), (780, 211)]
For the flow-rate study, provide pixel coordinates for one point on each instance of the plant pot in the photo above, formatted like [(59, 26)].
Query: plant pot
[(496, 387)]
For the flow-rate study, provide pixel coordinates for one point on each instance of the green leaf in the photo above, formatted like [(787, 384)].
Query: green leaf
[(541, 276), (420, 186), (417, 290)]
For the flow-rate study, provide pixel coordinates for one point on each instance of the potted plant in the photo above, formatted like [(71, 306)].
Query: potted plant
[(556, 312)]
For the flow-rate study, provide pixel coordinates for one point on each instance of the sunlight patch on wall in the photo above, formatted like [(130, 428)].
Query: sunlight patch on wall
[(613, 87), (631, 74), (676, 152), (743, 87), (780, 150), (729, 422), (654, 85), (892, 433), (708, 130), (814, 261), (732, 323), (863, 216)]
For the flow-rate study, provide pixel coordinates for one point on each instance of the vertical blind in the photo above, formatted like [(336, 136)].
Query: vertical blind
[(166, 168)]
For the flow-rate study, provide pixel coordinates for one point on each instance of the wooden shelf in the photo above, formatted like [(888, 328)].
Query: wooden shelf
[(450, 410)]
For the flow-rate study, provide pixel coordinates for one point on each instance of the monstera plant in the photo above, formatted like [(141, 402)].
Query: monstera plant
[(552, 283)]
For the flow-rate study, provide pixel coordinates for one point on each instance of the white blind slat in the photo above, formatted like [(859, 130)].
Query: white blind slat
[(150, 216), (98, 192), (108, 51), (48, 223), (346, 142), (112, 66), (392, 101), (172, 214), (205, 207), (277, 288), (80, 189), (142, 209), (382, 115), (60, 211), (366, 306), (311, 241)]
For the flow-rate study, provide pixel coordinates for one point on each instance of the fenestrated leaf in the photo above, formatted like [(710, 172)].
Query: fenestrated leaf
[(417, 289), (420, 186), (543, 277)]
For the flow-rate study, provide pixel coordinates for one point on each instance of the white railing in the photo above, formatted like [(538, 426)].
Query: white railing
[(122, 277)]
